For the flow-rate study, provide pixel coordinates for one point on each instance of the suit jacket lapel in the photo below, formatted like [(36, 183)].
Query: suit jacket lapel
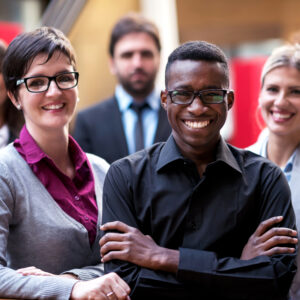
[(117, 130)]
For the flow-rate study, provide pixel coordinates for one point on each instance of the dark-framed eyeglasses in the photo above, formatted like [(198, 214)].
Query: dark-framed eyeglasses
[(39, 84), (211, 96)]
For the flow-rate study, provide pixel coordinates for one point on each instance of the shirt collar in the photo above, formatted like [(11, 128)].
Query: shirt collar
[(124, 99), (225, 155), (289, 165), (168, 154), (171, 153), (34, 153)]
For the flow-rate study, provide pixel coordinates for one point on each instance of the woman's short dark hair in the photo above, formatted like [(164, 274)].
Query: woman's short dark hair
[(198, 50), (3, 47), (26, 46), (132, 23), (13, 118)]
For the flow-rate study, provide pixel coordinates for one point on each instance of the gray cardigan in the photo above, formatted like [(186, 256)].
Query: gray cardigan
[(35, 231)]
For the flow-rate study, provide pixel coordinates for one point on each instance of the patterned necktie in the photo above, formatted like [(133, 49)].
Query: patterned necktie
[(138, 132)]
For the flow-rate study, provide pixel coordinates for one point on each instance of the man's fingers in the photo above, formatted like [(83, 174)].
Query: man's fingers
[(276, 241), (111, 246), (119, 226), (115, 225), (265, 225), (120, 255), (112, 236), (279, 250), (278, 231)]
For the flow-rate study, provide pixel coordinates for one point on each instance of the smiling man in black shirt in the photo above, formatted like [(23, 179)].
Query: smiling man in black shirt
[(192, 203)]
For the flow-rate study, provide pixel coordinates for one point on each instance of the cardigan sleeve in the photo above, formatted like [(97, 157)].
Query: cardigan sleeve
[(12, 284)]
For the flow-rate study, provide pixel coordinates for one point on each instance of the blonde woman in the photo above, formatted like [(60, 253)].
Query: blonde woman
[(279, 103)]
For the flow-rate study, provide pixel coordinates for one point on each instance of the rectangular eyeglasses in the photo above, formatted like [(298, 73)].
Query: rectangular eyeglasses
[(39, 84), (211, 96)]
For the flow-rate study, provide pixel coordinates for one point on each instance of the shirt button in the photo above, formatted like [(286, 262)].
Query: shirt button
[(86, 218), (193, 225), (77, 198)]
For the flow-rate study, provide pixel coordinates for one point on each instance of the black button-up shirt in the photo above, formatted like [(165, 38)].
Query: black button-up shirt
[(208, 219)]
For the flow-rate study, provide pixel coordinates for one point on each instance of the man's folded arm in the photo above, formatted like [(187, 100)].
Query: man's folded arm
[(269, 277)]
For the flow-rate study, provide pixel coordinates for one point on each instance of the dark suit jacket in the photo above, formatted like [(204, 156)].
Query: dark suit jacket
[(99, 130)]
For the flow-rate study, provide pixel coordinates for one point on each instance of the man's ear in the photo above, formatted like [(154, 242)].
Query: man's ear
[(111, 64), (230, 99), (163, 99)]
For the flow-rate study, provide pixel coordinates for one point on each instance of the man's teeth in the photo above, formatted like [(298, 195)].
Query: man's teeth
[(54, 106), (281, 116), (197, 124)]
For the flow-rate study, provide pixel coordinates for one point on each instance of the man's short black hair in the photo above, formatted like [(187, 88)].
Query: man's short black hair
[(198, 50), (133, 23)]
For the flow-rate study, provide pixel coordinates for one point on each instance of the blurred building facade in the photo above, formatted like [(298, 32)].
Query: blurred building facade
[(246, 30)]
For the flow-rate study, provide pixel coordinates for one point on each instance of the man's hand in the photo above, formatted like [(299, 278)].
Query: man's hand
[(133, 246), (106, 287), (267, 241)]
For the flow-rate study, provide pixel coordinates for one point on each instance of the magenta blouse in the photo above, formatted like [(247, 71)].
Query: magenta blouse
[(76, 196)]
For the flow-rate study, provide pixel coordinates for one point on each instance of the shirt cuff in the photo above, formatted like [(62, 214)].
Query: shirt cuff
[(195, 265)]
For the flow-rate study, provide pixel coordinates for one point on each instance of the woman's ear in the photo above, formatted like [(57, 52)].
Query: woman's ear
[(14, 101)]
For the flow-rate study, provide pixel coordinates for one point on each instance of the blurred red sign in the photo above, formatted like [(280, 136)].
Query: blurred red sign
[(246, 84), (9, 30)]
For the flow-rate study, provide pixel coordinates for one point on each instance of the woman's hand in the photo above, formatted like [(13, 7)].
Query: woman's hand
[(33, 271), (106, 287), (268, 241)]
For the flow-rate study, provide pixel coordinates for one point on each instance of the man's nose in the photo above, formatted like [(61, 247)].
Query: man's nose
[(137, 59), (197, 106)]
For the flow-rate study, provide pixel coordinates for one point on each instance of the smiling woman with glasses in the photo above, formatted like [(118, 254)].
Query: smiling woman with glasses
[(50, 190)]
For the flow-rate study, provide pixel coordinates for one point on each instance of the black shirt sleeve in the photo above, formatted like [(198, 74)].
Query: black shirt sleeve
[(203, 271)]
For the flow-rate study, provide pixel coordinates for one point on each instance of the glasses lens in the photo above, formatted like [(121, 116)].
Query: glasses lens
[(66, 80), (213, 96), (182, 97), (37, 84)]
